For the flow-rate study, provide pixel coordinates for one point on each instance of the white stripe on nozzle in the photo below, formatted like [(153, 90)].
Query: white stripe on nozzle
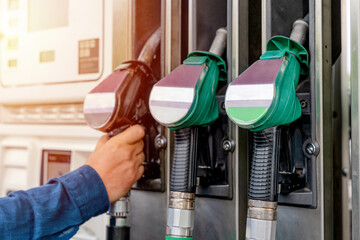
[(99, 101), (250, 92), (169, 105), (173, 94)]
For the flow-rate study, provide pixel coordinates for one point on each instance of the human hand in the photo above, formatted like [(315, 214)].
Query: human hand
[(118, 161)]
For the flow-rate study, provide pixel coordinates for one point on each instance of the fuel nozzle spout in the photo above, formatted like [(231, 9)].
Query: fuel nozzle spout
[(262, 99), (182, 101)]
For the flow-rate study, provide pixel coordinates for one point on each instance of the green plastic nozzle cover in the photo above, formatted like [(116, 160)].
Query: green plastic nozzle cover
[(204, 106), (285, 106), (204, 109)]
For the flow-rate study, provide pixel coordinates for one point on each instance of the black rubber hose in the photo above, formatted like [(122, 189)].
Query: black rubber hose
[(183, 171), (263, 173), (118, 233)]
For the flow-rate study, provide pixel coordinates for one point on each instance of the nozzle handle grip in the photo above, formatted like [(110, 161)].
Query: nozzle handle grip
[(264, 165), (183, 172)]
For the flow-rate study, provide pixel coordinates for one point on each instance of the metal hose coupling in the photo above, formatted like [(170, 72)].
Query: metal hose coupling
[(119, 212), (261, 220), (181, 214)]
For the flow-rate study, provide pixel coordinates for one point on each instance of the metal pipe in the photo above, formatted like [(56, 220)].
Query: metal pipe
[(148, 51), (219, 44), (300, 31)]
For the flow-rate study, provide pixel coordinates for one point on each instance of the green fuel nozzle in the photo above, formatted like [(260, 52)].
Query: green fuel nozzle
[(262, 99), (186, 97), (183, 101), (264, 95)]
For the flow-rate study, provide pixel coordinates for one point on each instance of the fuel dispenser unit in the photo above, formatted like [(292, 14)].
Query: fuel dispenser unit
[(262, 99), (184, 101), (118, 102)]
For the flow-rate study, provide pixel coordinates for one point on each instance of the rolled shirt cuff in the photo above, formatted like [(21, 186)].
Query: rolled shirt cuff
[(87, 190)]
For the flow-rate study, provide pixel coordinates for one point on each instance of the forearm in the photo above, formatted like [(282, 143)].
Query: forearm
[(55, 209)]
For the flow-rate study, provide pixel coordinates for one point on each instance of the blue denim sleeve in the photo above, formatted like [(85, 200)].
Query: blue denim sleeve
[(55, 210)]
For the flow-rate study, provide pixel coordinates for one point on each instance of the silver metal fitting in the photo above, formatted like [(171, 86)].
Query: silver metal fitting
[(118, 222), (181, 214), (262, 210), (160, 142), (261, 220), (181, 200), (228, 145), (260, 229), (180, 222), (311, 148), (120, 208)]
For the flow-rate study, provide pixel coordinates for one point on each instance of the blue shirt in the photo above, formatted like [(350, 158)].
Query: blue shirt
[(55, 210)]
